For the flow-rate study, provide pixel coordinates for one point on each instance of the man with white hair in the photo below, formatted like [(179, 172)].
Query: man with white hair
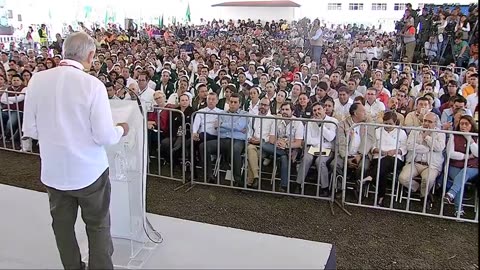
[(72, 129), (428, 146)]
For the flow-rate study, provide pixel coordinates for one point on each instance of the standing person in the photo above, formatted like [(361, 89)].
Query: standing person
[(72, 130), (43, 35)]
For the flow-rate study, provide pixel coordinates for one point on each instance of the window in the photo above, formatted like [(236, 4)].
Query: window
[(399, 6), (355, 6), (334, 6), (379, 6)]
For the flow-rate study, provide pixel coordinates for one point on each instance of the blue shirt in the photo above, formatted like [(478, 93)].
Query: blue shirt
[(234, 129)]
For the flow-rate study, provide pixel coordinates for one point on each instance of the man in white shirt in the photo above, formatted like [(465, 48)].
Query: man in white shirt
[(342, 104), (323, 133), (145, 92), (72, 129), (206, 122), (126, 75), (428, 159), (280, 139), (259, 131), (373, 106)]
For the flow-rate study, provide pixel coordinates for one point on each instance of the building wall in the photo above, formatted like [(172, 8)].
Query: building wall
[(254, 13)]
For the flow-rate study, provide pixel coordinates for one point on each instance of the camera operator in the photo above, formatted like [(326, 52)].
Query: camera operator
[(408, 35)]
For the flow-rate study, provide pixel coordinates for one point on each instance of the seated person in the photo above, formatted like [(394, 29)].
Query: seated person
[(457, 149), (312, 139), (259, 132), (428, 159), (231, 130), (281, 140), (173, 139), (415, 118), (360, 141), (387, 152)]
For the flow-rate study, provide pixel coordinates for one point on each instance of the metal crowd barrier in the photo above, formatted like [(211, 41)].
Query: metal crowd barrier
[(11, 123), (265, 184), (159, 137), (416, 67), (396, 190)]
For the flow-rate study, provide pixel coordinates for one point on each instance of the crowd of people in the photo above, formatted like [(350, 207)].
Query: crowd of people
[(306, 73)]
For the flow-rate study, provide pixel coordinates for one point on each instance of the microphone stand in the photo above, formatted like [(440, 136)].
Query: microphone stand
[(146, 223)]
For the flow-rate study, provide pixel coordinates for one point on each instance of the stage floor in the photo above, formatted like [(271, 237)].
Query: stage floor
[(27, 241)]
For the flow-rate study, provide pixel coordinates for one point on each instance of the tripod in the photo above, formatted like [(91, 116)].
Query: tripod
[(474, 30), (449, 42)]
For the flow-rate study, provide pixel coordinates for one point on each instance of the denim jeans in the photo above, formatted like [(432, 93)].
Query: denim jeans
[(269, 149), (458, 181), (317, 53)]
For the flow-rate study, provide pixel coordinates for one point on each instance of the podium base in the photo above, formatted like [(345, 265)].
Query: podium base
[(128, 254)]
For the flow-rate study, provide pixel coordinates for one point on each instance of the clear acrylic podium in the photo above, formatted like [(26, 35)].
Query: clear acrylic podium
[(133, 237)]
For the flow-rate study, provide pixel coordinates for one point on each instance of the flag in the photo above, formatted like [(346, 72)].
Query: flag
[(174, 20), (106, 17), (160, 22), (88, 11), (187, 14)]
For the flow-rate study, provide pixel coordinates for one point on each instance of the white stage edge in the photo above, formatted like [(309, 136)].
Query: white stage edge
[(27, 241)]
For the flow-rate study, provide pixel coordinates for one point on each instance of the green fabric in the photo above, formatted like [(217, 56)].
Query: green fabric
[(187, 14)]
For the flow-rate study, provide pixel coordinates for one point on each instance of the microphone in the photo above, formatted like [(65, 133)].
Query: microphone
[(137, 98)]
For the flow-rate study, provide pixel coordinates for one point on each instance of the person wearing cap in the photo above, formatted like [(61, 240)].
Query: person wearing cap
[(295, 93), (182, 88), (251, 73), (260, 71), (165, 85), (224, 102)]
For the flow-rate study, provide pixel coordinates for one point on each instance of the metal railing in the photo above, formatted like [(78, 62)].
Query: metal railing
[(417, 67), (11, 122), (396, 193), (158, 138), (212, 148)]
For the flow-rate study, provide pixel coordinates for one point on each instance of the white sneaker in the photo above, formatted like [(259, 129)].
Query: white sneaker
[(266, 161)]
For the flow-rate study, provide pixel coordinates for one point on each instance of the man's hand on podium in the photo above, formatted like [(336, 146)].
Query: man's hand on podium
[(125, 128)]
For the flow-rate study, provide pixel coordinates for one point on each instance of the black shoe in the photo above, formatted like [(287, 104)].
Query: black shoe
[(255, 182), (283, 189), (297, 188), (212, 180), (381, 202), (324, 192)]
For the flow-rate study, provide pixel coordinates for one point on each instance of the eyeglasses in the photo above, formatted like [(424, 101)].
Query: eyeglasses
[(264, 104), (428, 121)]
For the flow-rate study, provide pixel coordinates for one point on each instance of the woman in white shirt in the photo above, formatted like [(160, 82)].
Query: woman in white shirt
[(387, 152)]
